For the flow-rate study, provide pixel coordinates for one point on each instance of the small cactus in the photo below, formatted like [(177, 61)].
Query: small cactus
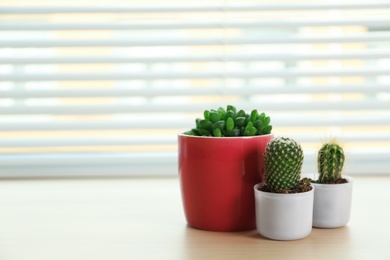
[(330, 162), (283, 160)]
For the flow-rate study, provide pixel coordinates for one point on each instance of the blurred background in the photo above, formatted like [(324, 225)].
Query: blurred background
[(103, 88)]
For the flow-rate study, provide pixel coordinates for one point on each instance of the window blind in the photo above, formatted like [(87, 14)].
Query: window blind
[(103, 91)]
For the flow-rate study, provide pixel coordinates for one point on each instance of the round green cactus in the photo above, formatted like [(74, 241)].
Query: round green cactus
[(283, 160), (330, 162)]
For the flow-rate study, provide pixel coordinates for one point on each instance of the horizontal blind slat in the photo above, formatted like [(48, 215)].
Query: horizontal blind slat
[(122, 141), (210, 91), (275, 106), (366, 54), (368, 37), (194, 75), (187, 25), (193, 8), (58, 159)]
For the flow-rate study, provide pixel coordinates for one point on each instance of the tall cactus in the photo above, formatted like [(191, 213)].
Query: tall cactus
[(330, 162), (283, 160)]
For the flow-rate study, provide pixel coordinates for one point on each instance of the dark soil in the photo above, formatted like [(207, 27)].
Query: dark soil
[(303, 186), (337, 181)]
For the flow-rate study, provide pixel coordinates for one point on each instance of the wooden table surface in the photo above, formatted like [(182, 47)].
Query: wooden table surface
[(110, 219)]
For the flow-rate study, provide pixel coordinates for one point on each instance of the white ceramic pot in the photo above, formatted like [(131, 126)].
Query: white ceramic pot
[(332, 204), (284, 216)]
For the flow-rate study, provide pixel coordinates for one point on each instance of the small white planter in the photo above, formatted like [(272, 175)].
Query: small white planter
[(284, 216), (332, 204)]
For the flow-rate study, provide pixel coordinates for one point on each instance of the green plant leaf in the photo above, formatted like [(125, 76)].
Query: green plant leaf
[(247, 119), (206, 114), (232, 108), (204, 132), (251, 131), (239, 122), (240, 113), (189, 133), (262, 116), (221, 112), (230, 113), (205, 124), (214, 116), (220, 124), (195, 131), (267, 130), (267, 120), (217, 132), (254, 115), (233, 132), (258, 124), (229, 124), (197, 121)]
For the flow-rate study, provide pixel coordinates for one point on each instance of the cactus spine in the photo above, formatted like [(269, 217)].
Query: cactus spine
[(330, 162), (283, 160)]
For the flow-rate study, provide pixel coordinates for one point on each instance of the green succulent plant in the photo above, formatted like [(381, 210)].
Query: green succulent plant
[(231, 122), (330, 162), (283, 159)]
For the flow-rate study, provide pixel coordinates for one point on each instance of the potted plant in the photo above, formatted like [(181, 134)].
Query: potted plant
[(219, 162), (284, 203), (333, 193)]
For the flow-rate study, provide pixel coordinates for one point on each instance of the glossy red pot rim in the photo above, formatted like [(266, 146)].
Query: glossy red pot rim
[(223, 138)]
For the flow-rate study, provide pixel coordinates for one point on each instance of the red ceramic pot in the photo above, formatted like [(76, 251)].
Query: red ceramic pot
[(217, 175)]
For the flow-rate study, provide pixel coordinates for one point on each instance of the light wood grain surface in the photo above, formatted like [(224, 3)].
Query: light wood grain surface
[(110, 219)]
